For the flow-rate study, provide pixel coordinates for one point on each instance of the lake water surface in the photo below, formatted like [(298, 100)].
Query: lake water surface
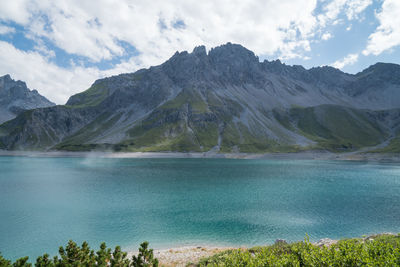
[(44, 202)]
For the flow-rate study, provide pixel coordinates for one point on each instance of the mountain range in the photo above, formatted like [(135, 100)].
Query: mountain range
[(225, 100)]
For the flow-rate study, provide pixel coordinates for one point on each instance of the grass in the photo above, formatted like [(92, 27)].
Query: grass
[(207, 135), (167, 128), (335, 128), (91, 97), (81, 140), (252, 143), (230, 137), (238, 135), (189, 97), (392, 147), (81, 147), (308, 124), (171, 136), (283, 119), (352, 125)]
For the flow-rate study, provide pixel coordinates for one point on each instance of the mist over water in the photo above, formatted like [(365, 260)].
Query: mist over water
[(44, 202)]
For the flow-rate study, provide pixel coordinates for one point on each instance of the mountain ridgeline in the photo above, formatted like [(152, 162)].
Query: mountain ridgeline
[(16, 98), (225, 100)]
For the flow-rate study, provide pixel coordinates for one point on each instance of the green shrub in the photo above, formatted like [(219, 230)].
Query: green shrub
[(381, 251), (79, 256), (145, 257)]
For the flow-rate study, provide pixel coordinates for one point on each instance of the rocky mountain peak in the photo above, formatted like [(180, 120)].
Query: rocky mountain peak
[(326, 70), (275, 66), (235, 63), (381, 71), (200, 51), (6, 77), (6, 82), (16, 97), (382, 67), (232, 54)]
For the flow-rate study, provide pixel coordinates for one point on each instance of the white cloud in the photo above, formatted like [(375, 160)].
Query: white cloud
[(94, 29), (348, 60), (326, 36), (50, 80), (98, 30), (356, 7), (331, 11), (387, 35), (6, 29), (352, 9), (15, 10)]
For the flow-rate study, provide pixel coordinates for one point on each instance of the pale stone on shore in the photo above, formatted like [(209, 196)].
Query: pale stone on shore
[(182, 256), (326, 242)]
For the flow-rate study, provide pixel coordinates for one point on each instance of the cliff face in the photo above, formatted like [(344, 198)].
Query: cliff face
[(225, 100), (15, 98)]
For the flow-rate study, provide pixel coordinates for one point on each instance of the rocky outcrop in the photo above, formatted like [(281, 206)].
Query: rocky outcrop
[(15, 98)]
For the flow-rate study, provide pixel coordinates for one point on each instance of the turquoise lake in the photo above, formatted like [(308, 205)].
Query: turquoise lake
[(44, 202)]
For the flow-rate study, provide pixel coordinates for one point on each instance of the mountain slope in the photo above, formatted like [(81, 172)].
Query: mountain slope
[(221, 101), (15, 98)]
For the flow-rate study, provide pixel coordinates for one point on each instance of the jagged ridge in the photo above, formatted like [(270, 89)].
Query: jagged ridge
[(225, 100)]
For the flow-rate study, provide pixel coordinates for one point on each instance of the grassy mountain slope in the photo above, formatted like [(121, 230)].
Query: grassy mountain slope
[(335, 127)]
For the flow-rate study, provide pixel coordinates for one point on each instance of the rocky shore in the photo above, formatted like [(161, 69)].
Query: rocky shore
[(184, 256)]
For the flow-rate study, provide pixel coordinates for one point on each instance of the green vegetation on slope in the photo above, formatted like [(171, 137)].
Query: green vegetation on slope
[(188, 97), (192, 122), (183, 124), (383, 250), (79, 140), (333, 127), (170, 137), (392, 147), (91, 97), (196, 121), (14, 127), (251, 142)]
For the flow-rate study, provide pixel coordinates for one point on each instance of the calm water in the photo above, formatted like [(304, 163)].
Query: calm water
[(44, 202)]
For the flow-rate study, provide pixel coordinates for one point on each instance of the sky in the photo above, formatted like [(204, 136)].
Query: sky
[(61, 47)]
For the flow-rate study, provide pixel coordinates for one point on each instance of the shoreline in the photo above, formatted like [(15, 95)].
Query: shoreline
[(184, 255), (306, 155)]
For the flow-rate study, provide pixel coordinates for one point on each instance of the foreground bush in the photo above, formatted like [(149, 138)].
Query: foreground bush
[(383, 250), (74, 256)]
